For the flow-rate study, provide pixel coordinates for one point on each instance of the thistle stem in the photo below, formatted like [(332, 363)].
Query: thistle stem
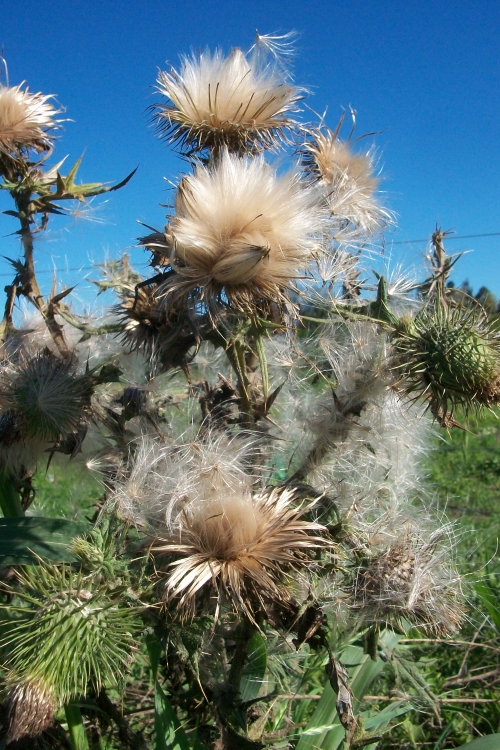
[(10, 502), (75, 727)]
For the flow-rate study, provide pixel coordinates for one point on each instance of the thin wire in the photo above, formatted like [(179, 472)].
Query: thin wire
[(398, 242), (449, 237)]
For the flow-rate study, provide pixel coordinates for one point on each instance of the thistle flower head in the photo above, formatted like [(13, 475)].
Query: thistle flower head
[(239, 545), (25, 121), (410, 578), (450, 357), (241, 233), (347, 180), (234, 101), (74, 633), (31, 709), (46, 394)]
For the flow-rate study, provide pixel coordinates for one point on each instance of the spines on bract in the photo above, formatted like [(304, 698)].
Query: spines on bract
[(75, 632), (450, 357)]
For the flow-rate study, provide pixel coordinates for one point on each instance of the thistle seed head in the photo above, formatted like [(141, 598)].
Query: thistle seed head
[(412, 580), (347, 181), (215, 101), (31, 708), (47, 395), (241, 233), (25, 121)]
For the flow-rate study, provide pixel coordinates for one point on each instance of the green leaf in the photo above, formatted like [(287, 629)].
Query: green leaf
[(324, 731), (23, 540), (488, 742), (254, 670), (490, 601), (169, 735)]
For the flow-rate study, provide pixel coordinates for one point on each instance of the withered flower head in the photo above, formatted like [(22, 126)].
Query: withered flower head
[(31, 709), (347, 180), (25, 120), (46, 393), (239, 545), (232, 101), (410, 580), (240, 234)]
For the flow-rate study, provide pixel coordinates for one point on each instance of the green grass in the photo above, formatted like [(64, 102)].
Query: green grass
[(66, 489)]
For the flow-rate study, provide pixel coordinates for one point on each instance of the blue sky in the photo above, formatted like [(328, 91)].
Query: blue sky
[(424, 75)]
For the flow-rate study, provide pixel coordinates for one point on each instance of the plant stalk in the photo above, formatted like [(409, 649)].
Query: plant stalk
[(75, 727)]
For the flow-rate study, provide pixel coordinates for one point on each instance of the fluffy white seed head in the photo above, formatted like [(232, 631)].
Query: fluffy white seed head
[(25, 120), (241, 232), (232, 101), (348, 181)]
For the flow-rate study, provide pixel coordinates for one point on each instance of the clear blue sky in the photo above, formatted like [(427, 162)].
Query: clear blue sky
[(425, 75)]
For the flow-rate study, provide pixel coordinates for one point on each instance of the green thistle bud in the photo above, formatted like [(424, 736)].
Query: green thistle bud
[(48, 395), (75, 634), (450, 357)]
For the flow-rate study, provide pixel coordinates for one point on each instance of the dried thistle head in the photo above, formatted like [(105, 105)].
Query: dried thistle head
[(347, 180), (238, 545), (31, 709), (450, 357), (215, 101), (25, 121), (46, 394), (411, 579), (240, 234)]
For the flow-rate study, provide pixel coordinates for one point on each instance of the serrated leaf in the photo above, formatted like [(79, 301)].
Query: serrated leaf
[(22, 539)]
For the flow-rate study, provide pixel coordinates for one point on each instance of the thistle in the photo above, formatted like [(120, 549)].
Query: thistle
[(347, 180), (46, 395), (239, 546), (216, 101), (240, 235), (74, 633), (450, 357), (25, 121), (410, 580)]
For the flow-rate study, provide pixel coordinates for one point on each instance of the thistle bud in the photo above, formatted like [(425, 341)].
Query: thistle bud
[(450, 358)]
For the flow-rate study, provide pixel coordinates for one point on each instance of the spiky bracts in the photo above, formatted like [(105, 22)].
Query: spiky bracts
[(215, 101), (450, 356), (75, 633), (240, 235), (239, 546)]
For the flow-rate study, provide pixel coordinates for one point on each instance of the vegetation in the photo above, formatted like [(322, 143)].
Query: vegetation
[(217, 533)]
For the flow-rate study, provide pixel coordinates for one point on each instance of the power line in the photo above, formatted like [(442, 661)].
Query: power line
[(398, 242), (449, 237)]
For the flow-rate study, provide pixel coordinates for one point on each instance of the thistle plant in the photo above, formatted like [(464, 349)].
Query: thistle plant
[(256, 415)]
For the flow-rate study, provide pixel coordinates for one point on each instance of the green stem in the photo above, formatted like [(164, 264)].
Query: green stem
[(10, 502), (76, 729)]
